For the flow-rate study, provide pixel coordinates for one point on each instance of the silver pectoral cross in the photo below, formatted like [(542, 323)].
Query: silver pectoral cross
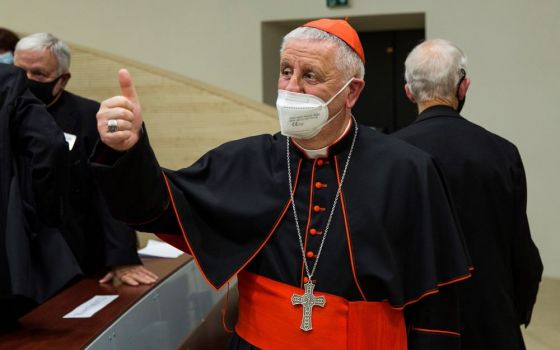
[(308, 300)]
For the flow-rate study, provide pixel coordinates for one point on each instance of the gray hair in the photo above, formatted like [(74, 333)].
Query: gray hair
[(433, 69), (42, 41), (347, 60)]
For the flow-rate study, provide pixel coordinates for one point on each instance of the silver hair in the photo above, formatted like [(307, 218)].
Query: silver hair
[(347, 60), (433, 69), (41, 41)]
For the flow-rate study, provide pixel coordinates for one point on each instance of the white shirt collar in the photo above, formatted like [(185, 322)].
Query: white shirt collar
[(324, 152)]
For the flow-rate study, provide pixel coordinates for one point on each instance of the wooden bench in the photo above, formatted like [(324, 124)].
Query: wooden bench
[(179, 311)]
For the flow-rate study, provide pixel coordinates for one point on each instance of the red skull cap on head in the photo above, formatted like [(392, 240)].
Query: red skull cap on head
[(342, 30)]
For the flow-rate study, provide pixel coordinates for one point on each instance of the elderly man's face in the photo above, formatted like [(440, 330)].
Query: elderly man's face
[(309, 67), (39, 65), (42, 66)]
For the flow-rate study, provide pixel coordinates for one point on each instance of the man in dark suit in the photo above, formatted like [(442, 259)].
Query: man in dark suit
[(96, 239), (485, 176), (35, 261)]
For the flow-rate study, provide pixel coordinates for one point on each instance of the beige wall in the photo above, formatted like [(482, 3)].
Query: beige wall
[(513, 48)]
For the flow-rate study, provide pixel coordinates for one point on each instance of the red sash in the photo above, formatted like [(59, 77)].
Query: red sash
[(268, 320)]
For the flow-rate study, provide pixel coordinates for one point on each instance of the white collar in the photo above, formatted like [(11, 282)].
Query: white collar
[(324, 152)]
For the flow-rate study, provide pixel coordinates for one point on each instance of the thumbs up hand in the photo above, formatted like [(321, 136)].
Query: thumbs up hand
[(119, 120)]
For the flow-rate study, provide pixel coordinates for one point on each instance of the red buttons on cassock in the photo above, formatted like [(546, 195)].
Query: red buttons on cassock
[(317, 208), (320, 162), (319, 185), (314, 232), (310, 254), (305, 279)]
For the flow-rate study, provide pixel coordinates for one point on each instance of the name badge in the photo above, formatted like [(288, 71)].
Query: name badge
[(70, 139)]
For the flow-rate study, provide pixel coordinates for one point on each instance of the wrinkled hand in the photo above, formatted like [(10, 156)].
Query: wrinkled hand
[(125, 109), (132, 275)]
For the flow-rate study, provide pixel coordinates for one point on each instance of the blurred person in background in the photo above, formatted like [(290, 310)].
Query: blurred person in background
[(98, 241), (35, 260), (486, 179), (8, 41)]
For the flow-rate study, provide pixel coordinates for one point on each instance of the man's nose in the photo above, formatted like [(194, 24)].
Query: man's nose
[(295, 84)]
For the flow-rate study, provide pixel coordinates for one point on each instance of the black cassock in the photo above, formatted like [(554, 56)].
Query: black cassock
[(35, 261), (97, 240), (486, 180), (393, 234)]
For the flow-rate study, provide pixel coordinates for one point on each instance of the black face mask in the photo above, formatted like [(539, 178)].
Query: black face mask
[(461, 102), (43, 91)]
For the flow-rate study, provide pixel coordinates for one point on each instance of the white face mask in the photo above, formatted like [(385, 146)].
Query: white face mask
[(302, 116)]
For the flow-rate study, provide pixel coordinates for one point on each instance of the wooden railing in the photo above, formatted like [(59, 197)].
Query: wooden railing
[(179, 311), (184, 118)]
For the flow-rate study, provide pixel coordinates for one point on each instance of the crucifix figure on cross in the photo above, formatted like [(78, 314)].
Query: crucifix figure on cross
[(308, 300)]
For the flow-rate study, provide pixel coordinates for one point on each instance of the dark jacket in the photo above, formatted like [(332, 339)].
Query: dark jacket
[(35, 261), (486, 179), (97, 240), (392, 236)]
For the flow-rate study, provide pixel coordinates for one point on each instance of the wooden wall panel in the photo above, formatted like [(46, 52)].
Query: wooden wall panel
[(184, 118)]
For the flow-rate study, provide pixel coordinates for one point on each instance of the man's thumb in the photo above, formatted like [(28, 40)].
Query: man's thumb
[(127, 86)]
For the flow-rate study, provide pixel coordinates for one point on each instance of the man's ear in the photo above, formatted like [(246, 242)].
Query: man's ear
[(356, 87), (61, 84), (64, 79), (463, 87), (409, 93)]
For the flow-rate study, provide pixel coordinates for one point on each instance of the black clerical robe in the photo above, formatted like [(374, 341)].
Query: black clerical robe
[(35, 262), (97, 240), (486, 179), (392, 238)]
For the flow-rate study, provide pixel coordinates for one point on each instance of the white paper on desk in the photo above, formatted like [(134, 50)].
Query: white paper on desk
[(159, 249), (90, 307)]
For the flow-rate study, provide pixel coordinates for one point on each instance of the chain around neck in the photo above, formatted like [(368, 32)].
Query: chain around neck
[(325, 231)]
